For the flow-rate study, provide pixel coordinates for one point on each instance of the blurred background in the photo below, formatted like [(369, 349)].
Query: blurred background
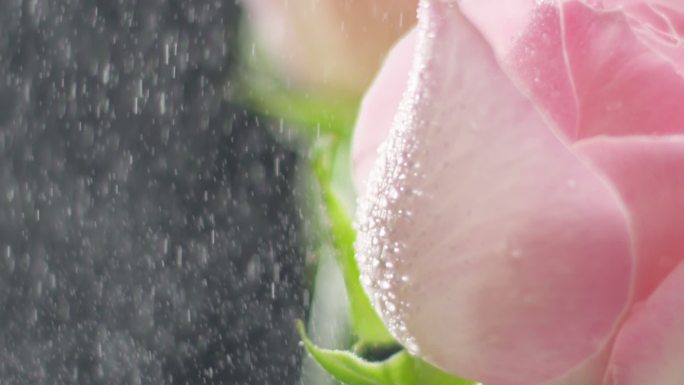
[(149, 222)]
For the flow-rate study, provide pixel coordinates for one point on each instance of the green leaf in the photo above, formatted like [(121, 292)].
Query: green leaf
[(352, 370), (399, 369), (365, 321)]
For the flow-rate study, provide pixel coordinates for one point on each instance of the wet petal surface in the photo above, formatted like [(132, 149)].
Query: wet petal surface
[(486, 244), (379, 107)]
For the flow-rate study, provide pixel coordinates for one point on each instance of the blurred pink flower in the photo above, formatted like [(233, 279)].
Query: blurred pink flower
[(523, 221), (331, 46)]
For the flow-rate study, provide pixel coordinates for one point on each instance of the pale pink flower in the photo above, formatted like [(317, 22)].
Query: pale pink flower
[(329, 46), (524, 221)]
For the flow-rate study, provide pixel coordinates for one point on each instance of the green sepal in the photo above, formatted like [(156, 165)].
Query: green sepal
[(366, 323), (399, 369)]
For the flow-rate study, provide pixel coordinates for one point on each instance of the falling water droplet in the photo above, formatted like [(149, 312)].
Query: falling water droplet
[(179, 255)]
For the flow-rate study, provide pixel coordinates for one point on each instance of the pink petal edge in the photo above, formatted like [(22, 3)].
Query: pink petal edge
[(650, 346)]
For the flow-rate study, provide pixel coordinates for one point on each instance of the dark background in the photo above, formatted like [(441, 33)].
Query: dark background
[(149, 228)]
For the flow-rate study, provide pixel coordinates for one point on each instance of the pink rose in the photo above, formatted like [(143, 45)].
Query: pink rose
[(332, 46), (524, 221)]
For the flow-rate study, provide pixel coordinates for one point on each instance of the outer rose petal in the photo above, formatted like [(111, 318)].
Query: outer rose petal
[(648, 173), (379, 107), (585, 68), (486, 245), (650, 346)]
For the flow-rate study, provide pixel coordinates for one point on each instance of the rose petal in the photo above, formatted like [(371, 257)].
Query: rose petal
[(530, 32), (486, 245), (672, 4), (586, 68), (649, 175), (501, 22), (661, 28), (379, 107), (650, 346), (617, 78)]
